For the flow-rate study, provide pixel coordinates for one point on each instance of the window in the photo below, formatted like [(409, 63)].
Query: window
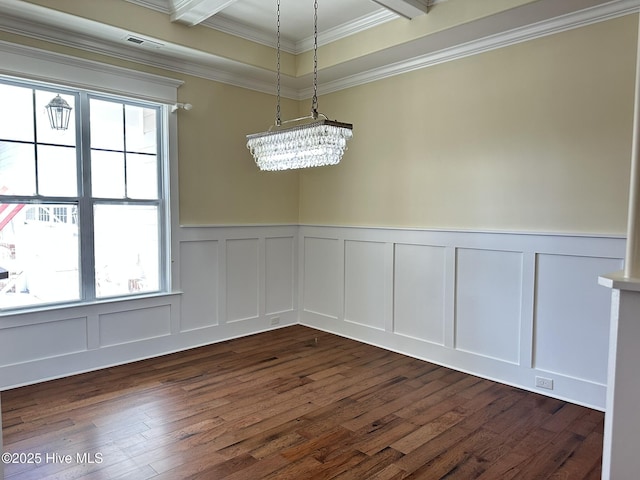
[(82, 210), (60, 214)]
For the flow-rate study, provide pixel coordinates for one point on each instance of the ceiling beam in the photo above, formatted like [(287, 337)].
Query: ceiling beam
[(192, 12), (406, 8)]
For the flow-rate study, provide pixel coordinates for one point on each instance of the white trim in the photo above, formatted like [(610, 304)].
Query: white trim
[(193, 12), (551, 293), (541, 29), (97, 335), (434, 49), (157, 5), (345, 30), (618, 281), (226, 25), (263, 37), (446, 230), (406, 8), (170, 57), (199, 315), (36, 64)]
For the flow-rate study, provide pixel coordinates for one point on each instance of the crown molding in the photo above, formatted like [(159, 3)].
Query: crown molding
[(448, 45), (157, 5), (49, 67), (226, 25), (343, 31), (608, 11), (175, 58)]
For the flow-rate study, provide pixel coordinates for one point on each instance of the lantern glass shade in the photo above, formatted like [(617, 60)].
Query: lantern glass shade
[(59, 112)]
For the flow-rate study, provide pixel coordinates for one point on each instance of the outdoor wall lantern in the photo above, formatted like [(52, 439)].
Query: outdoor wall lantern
[(59, 112)]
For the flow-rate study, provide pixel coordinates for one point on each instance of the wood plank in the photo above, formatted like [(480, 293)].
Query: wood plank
[(282, 405)]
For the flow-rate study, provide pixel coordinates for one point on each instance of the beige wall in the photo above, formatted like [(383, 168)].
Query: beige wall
[(533, 137), (218, 180)]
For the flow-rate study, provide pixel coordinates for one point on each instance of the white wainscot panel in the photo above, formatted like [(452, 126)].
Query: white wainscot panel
[(488, 303), (199, 282), (279, 265), (42, 340), (322, 276), (572, 316), (242, 279), (134, 325), (364, 287), (419, 292)]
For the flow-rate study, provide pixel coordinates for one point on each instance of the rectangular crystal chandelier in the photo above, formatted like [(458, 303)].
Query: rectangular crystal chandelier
[(315, 144), (318, 142)]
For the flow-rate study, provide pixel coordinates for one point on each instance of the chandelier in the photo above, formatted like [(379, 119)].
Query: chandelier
[(312, 141)]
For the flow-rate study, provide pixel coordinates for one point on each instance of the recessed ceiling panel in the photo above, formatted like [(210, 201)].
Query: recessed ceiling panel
[(296, 16)]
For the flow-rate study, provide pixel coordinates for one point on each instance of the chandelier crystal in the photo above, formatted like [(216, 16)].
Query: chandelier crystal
[(313, 145), (318, 143)]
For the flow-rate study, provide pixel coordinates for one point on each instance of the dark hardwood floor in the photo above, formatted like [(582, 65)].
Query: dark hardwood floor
[(295, 404)]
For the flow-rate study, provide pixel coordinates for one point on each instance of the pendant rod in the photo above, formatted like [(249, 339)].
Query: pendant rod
[(314, 100), (278, 117)]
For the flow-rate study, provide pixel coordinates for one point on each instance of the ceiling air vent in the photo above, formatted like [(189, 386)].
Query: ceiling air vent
[(142, 42)]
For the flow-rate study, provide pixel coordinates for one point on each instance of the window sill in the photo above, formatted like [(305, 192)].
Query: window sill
[(64, 307)]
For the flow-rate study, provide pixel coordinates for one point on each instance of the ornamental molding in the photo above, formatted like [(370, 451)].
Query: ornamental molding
[(440, 47)]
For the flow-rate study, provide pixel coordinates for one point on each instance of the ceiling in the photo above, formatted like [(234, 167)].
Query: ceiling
[(256, 20)]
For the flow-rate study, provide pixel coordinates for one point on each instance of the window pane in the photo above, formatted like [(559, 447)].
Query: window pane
[(40, 243), (46, 134), (39, 249), (107, 174), (126, 249), (142, 176), (57, 171), (141, 129), (107, 130), (18, 125), (17, 169)]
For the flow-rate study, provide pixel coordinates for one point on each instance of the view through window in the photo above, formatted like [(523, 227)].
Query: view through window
[(81, 209)]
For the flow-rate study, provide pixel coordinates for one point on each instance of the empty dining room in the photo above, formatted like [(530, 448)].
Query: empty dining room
[(185, 298)]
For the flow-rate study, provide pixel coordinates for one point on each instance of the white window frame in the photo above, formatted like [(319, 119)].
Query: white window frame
[(39, 66)]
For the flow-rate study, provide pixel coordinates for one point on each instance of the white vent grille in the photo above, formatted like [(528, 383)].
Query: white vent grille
[(142, 42)]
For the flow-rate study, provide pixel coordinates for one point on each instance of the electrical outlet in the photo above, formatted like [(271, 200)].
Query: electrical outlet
[(542, 382), (275, 321)]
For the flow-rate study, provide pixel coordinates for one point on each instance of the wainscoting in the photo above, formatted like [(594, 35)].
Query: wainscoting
[(504, 306), (228, 282)]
